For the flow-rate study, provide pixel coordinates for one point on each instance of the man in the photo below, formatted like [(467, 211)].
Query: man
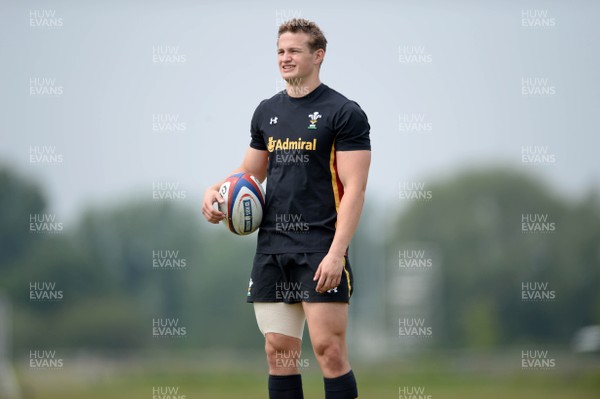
[(312, 145)]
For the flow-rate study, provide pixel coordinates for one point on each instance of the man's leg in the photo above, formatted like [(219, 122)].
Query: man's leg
[(327, 327), (282, 326)]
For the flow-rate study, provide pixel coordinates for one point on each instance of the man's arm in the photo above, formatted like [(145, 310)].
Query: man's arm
[(353, 170), (255, 163)]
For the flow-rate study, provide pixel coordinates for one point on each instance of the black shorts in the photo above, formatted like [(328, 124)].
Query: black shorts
[(289, 278)]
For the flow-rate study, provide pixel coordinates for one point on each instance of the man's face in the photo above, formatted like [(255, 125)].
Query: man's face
[(295, 60)]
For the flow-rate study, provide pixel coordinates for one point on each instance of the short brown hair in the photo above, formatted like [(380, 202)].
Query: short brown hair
[(317, 38)]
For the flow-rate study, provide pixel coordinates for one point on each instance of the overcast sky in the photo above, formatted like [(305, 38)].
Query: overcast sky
[(481, 80)]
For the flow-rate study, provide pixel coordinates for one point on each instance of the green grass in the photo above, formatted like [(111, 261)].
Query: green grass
[(373, 384)]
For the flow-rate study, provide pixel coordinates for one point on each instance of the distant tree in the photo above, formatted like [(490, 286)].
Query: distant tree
[(19, 198), (112, 285), (475, 220)]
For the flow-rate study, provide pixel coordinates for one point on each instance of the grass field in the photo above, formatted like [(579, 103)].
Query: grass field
[(379, 383)]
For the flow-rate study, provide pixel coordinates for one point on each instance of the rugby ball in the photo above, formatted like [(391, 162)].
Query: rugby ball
[(244, 199)]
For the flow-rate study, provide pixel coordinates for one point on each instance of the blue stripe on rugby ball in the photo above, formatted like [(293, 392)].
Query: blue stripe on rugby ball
[(260, 191), (248, 183)]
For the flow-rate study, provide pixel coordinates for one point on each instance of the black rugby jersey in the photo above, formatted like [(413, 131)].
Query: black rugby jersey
[(303, 194)]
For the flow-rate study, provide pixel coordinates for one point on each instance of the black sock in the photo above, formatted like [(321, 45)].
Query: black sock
[(285, 387), (342, 387)]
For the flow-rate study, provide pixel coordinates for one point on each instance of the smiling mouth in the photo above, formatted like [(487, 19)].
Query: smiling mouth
[(288, 67)]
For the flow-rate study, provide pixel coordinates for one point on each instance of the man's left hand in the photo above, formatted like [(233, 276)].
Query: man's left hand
[(329, 273)]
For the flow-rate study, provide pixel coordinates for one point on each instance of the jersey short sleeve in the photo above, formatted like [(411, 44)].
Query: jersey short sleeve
[(257, 140), (352, 128)]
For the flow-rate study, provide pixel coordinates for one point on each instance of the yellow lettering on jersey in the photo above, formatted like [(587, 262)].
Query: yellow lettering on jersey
[(278, 144)]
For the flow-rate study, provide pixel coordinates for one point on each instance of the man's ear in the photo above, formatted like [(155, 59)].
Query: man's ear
[(320, 53)]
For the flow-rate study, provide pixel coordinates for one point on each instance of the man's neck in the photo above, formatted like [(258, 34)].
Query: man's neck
[(297, 89)]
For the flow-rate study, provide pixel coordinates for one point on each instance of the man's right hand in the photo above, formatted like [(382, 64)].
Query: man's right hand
[(211, 195), (255, 163)]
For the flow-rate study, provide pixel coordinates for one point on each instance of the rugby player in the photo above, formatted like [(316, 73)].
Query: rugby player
[(312, 145)]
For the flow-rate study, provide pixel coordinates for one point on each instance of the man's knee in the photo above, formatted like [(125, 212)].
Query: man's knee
[(330, 353), (282, 350), (274, 342)]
